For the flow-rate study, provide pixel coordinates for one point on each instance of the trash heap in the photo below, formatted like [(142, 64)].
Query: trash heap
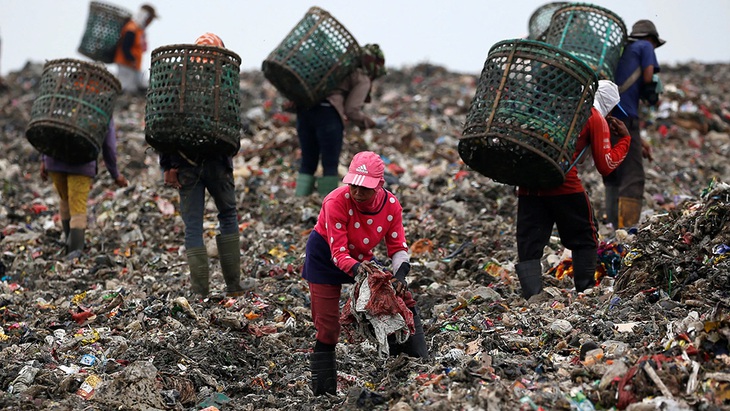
[(117, 328)]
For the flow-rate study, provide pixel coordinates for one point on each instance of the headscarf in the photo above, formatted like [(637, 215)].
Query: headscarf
[(606, 98), (210, 39), (373, 60)]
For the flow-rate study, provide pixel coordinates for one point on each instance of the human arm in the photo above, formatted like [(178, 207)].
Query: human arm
[(44, 172), (355, 100), (336, 219), (109, 153), (606, 157)]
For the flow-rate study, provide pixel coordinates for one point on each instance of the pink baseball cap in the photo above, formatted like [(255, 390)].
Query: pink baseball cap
[(366, 170)]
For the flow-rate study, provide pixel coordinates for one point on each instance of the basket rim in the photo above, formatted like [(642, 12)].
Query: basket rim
[(580, 6), (109, 6), (563, 53), (102, 70), (217, 49)]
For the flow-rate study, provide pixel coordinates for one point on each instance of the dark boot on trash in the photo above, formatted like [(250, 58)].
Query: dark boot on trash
[(305, 185), (530, 275), (199, 274), (415, 345), (229, 252), (629, 212), (66, 224), (75, 243), (326, 184), (584, 269), (324, 372)]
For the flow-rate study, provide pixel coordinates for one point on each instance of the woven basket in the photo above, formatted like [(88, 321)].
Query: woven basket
[(103, 30), (531, 103), (593, 34), (70, 117), (312, 59), (539, 22), (193, 100)]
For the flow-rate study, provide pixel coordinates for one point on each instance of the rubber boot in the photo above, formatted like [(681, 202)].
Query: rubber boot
[(229, 251), (199, 274), (584, 269), (530, 275), (326, 184), (75, 243), (66, 224), (415, 345), (612, 206), (305, 185), (324, 372), (629, 212)]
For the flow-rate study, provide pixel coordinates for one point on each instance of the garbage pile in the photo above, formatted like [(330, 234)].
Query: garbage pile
[(118, 329)]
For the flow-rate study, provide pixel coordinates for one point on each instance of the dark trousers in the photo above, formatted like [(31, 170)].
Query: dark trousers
[(320, 132), (573, 215), (629, 176)]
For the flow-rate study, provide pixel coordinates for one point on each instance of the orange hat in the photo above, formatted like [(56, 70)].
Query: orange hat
[(210, 39)]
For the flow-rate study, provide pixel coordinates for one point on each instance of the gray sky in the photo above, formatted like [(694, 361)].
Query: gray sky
[(456, 34)]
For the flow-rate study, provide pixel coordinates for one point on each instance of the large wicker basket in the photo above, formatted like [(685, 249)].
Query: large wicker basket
[(70, 117), (103, 31), (531, 103), (193, 100), (312, 59), (593, 34), (539, 22)]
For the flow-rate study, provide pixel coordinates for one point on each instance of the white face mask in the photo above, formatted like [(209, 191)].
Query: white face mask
[(607, 96)]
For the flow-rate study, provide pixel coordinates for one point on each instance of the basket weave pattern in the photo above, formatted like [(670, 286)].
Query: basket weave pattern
[(312, 59), (539, 22), (193, 100), (591, 33), (531, 103), (103, 30), (70, 117)]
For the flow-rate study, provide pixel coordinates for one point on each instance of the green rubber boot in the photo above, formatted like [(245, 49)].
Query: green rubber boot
[(305, 185), (199, 274), (229, 252), (326, 184)]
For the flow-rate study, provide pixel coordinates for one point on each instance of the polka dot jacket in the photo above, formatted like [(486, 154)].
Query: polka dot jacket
[(344, 236)]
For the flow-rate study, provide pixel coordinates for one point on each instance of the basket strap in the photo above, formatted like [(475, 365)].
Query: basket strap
[(578, 158), (630, 81)]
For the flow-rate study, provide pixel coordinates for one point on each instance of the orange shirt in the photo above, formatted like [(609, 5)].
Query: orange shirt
[(138, 46)]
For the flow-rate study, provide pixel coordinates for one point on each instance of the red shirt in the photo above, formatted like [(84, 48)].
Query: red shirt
[(606, 158), (352, 234)]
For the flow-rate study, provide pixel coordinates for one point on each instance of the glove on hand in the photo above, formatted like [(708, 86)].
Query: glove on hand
[(649, 94)]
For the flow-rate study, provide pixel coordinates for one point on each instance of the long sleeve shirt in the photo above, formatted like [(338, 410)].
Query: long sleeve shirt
[(345, 236), (350, 96), (606, 157)]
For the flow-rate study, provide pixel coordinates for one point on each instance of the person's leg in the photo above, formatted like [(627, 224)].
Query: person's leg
[(330, 133), (534, 226), (78, 195), (310, 152), (192, 204), (325, 303), (61, 185), (578, 232), (415, 345), (219, 181), (631, 189)]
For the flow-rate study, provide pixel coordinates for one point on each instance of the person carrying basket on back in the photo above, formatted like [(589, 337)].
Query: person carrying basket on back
[(321, 128), (131, 47), (568, 206)]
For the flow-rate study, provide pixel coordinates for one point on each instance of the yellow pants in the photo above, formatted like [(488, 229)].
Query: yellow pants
[(74, 192)]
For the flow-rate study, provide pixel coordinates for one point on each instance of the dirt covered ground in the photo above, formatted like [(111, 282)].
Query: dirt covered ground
[(117, 329)]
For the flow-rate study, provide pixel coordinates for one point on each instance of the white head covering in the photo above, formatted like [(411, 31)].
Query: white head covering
[(607, 96), (141, 17)]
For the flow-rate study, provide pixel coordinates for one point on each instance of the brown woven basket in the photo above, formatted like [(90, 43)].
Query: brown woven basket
[(531, 103), (312, 59), (70, 117), (193, 100)]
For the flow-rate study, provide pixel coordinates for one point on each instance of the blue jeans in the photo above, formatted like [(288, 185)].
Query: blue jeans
[(217, 178), (320, 132)]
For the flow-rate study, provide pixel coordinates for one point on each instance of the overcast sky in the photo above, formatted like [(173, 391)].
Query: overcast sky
[(456, 34)]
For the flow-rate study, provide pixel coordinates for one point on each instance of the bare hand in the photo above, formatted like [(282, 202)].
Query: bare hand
[(171, 178), (44, 172), (617, 126), (121, 181), (646, 151)]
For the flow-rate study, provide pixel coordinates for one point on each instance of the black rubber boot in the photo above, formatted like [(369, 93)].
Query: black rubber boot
[(584, 268), (611, 205), (324, 372), (530, 276), (66, 224), (75, 243)]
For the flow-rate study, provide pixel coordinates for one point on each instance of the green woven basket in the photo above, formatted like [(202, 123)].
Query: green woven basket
[(593, 34), (70, 117), (103, 30), (539, 22), (531, 102), (312, 59), (193, 100)]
